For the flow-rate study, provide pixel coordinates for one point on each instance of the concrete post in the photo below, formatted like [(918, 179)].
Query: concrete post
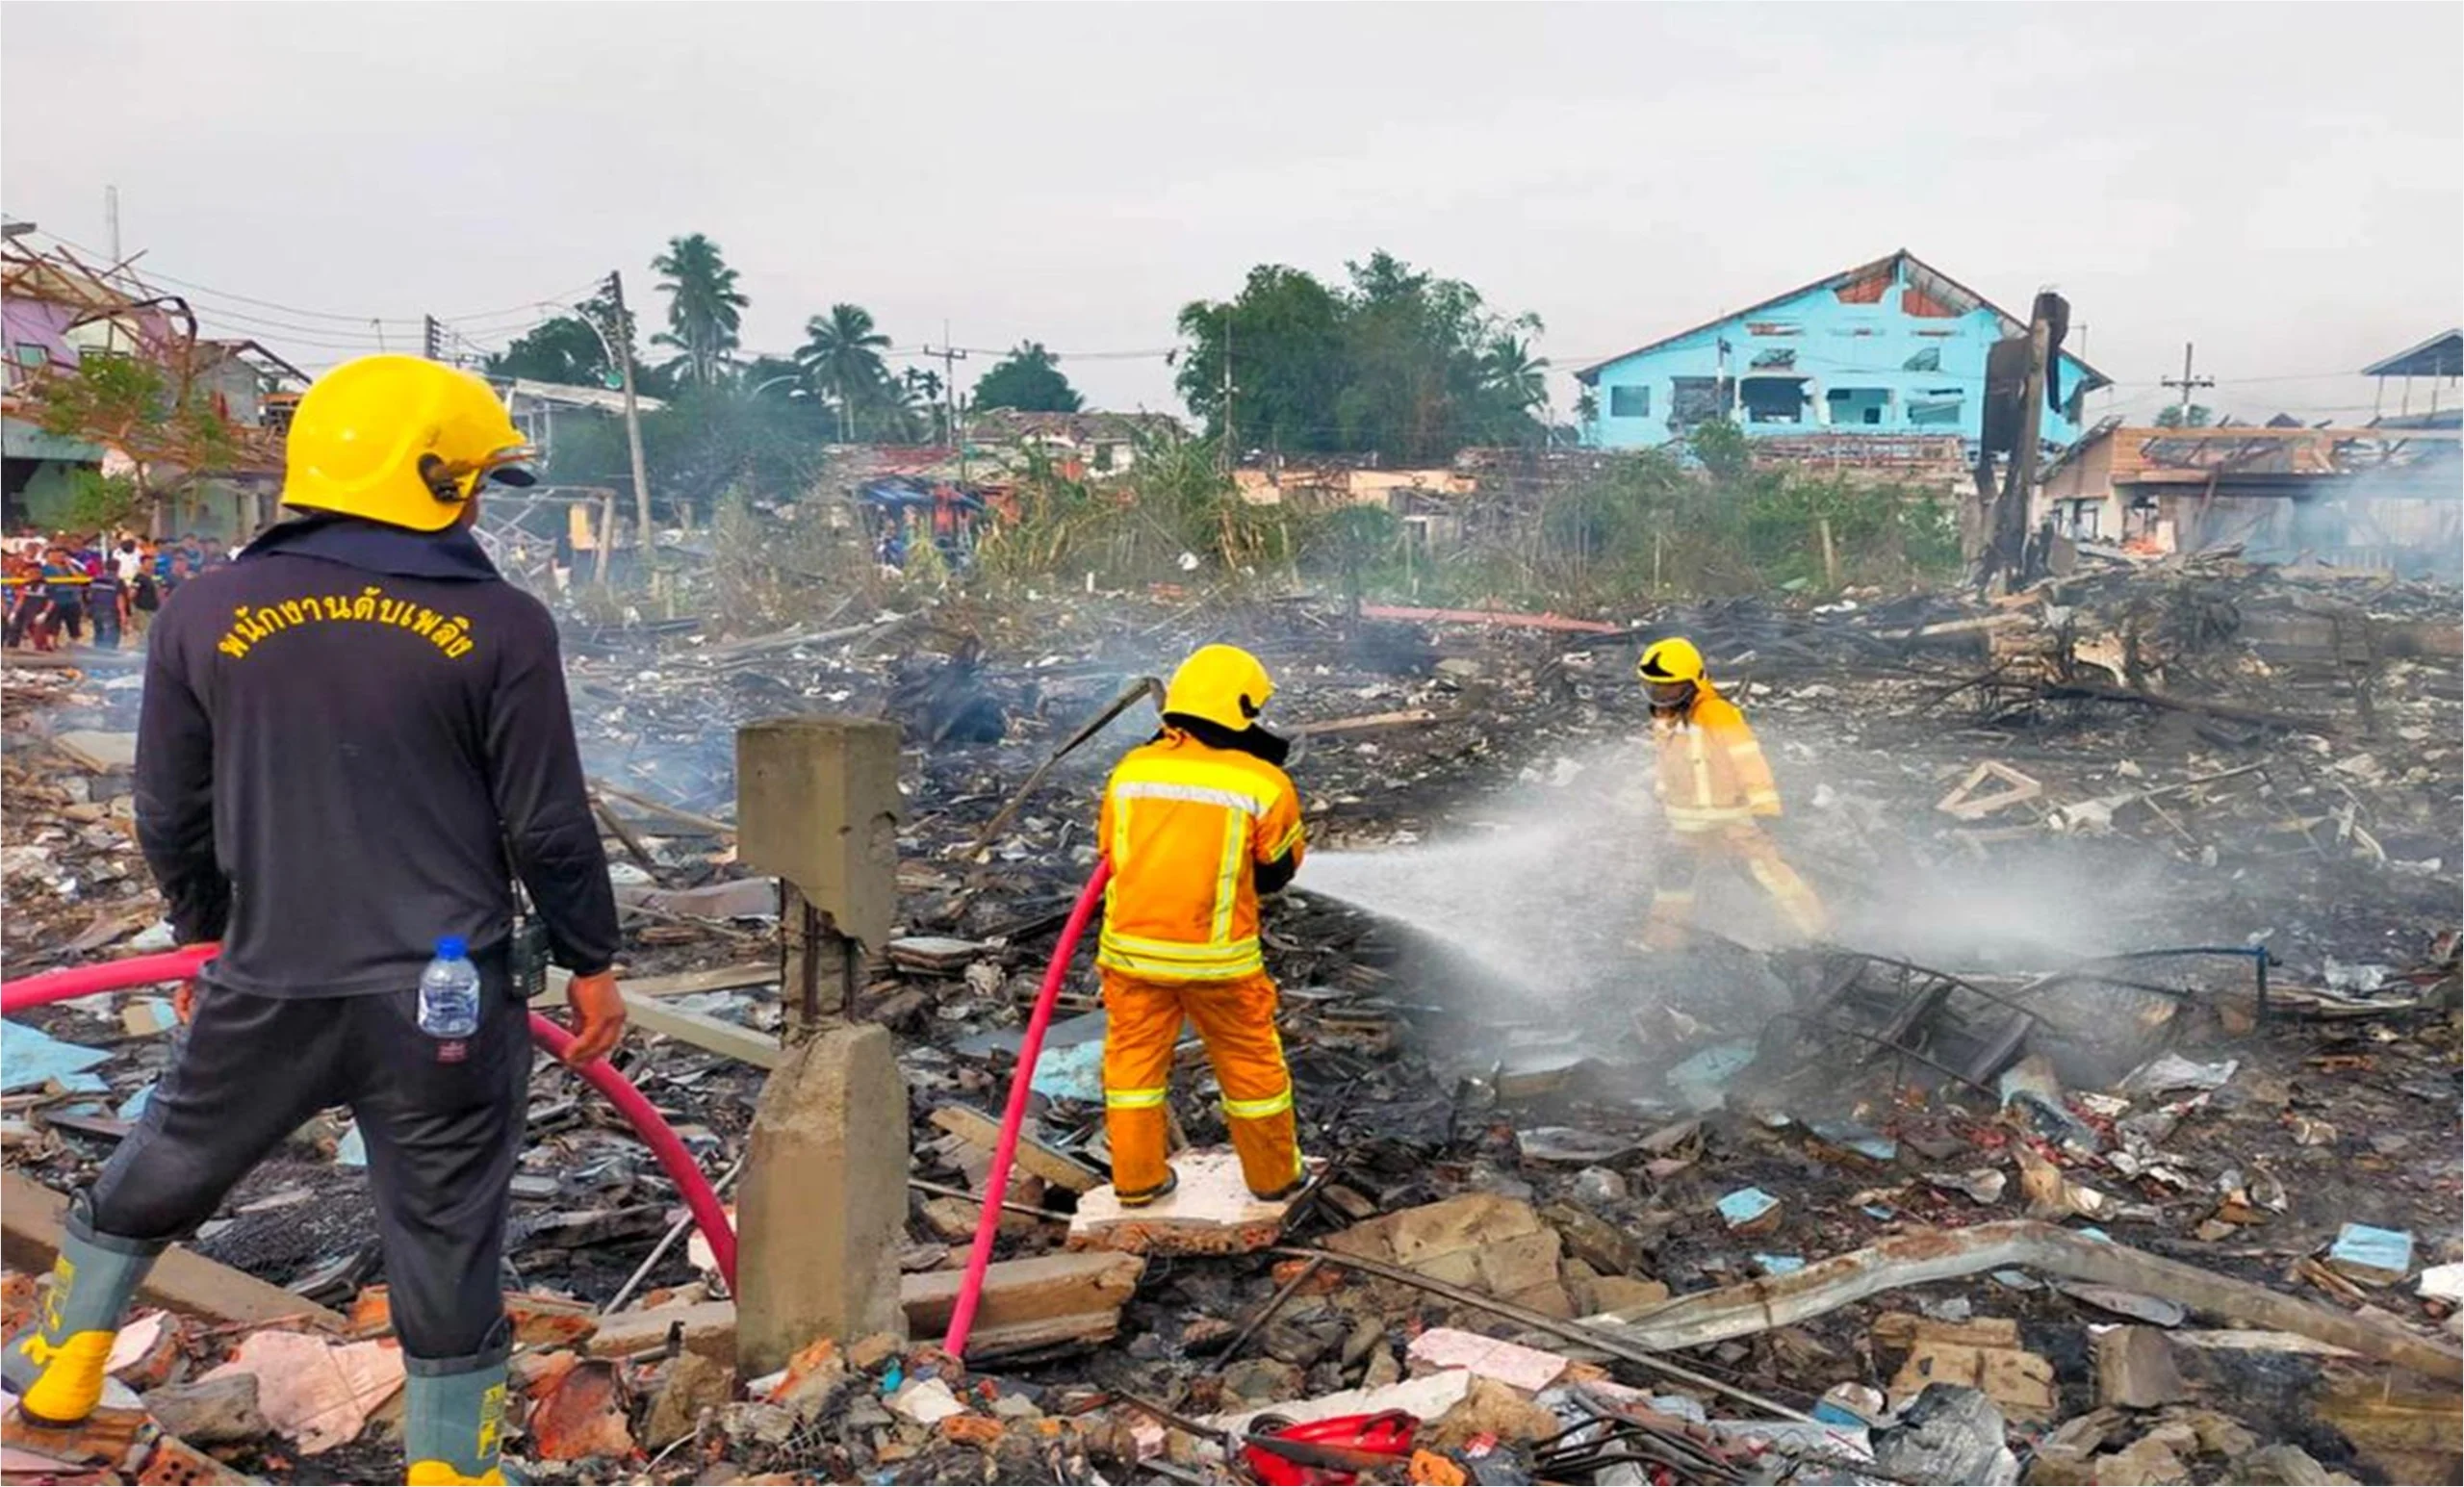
[(817, 805), (824, 1209)]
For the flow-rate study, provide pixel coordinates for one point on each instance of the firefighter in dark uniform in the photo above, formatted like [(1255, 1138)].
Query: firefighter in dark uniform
[(353, 739)]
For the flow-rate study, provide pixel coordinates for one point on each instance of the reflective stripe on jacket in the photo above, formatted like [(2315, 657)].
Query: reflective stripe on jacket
[(1712, 771), (1185, 826)]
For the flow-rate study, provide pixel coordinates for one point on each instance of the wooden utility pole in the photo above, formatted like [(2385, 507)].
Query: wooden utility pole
[(632, 421), (2011, 516), (1231, 455)]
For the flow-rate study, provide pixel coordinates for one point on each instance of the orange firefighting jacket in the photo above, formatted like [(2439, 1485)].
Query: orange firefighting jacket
[(1712, 771), (1186, 826)]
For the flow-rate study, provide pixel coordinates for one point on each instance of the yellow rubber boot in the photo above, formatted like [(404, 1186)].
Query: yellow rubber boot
[(449, 1433), (55, 1368)]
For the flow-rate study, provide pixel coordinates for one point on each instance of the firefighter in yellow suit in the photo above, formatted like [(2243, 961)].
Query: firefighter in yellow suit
[(1716, 788), (1198, 822)]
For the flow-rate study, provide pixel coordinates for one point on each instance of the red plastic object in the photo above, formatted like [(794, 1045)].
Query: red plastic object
[(180, 964), (996, 1180), (1386, 1434)]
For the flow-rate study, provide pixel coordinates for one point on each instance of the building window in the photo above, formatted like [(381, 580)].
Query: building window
[(1937, 407), (1104, 456), (1858, 407), (1630, 402), (1693, 400), (30, 355), (1774, 399)]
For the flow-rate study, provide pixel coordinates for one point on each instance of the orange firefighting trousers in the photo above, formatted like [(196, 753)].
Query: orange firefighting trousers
[(1686, 856), (1236, 1019)]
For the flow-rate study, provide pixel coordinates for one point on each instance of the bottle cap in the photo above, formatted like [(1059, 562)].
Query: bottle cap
[(451, 947)]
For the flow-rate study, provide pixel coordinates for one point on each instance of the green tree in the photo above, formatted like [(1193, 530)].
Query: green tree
[(705, 308), (1719, 447), (2170, 416), (924, 384), (155, 406), (564, 351), (705, 441), (1515, 375), (843, 354), (1401, 363), (1282, 339), (1030, 380)]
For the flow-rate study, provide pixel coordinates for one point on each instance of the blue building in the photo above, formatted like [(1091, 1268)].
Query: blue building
[(1893, 346)]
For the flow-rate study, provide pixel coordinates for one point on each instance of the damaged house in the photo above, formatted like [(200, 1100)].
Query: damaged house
[(2388, 497), (1881, 363)]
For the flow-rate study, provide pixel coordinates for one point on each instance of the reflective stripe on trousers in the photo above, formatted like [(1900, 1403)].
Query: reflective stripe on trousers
[(1686, 856), (1236, 1019)]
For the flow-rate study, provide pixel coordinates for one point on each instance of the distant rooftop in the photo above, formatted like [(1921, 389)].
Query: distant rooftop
[(2440, 356)]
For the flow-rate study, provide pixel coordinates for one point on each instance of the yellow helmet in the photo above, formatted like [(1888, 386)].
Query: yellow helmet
[(1671, 661), (1223, 685), (398, 440)]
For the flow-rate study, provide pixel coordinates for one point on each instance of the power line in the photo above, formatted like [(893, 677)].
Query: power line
[(343, 318)]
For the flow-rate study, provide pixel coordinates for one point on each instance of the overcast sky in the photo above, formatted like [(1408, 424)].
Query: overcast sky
[(2282, 185)]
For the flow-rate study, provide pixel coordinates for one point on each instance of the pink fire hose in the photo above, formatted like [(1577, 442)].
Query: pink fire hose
[(997, 1181), (180, 964)]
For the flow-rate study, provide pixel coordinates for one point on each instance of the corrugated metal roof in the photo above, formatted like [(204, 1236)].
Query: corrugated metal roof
[(2440, 356)]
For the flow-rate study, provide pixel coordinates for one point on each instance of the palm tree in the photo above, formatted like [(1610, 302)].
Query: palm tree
[(705, 309), (926, 384), (901, 408), (1512, 370), (843, 353)]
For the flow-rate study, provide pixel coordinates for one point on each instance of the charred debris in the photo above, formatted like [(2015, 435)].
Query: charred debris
[(2115, 1140)]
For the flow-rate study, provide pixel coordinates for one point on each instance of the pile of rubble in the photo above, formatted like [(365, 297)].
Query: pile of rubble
[(1746, 1216)]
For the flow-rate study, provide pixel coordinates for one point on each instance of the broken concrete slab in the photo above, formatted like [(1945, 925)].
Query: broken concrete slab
[(1527, 1368), (1032, 1302), (1603, 1246), (705, 1327), (2019, 1383), (1212, 1213), (1478, 1240), (211, 1411), (98, 752), (2147, 1462), (2134, 1369), (1027, 1302), (824, 1209), (691, 1385)]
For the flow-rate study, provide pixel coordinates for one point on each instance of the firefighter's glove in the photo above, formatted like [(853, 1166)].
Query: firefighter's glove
[(599, 1016)]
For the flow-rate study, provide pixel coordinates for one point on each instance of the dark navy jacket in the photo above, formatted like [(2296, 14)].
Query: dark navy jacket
[(344, 734)]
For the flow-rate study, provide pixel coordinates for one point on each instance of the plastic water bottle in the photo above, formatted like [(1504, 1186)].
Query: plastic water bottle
[(449, 991)]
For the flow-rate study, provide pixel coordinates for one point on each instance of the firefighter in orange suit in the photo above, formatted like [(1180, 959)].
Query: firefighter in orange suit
[(1198, 821), (1714, 787)]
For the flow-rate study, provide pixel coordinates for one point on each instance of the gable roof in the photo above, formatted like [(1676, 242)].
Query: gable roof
[(2440, 356), (1921, 275)]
